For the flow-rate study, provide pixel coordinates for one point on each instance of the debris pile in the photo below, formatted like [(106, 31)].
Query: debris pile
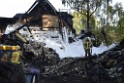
[(104, 68)]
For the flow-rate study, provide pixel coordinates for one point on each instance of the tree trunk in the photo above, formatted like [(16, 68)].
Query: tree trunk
[(88, 17)]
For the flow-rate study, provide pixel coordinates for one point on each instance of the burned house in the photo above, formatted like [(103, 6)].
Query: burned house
[(42, 14), (6, 21), (3, 23)]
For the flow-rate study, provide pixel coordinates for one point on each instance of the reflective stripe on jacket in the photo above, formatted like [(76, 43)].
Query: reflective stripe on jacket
[(87, 45), (16, 57)]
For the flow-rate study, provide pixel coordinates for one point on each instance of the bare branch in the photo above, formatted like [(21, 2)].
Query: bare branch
[(93, 11), (75, 9)]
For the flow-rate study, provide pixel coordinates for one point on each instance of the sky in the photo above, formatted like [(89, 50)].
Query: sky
[(8, 8)]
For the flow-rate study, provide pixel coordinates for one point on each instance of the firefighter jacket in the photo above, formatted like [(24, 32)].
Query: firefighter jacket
[(87, 44), (16, 57)]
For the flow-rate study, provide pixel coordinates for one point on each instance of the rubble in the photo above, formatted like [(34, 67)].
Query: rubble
[(11, 73), (104, 68)]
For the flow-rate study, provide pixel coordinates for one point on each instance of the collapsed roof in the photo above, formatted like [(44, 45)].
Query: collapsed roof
[(36, 12)]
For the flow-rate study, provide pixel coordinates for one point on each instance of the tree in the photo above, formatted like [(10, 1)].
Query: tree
[(79, 22), (115, 21), (89, 7), (109, 19)]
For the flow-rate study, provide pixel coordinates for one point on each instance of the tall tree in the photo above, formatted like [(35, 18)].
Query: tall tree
[(120, 24), (79, 22), (89, 7), (112, 20)]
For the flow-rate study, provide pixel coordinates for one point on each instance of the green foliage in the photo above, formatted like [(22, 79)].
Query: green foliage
[(113, 22), (89, 7), (120, 26), (79, 22), (97, 14)]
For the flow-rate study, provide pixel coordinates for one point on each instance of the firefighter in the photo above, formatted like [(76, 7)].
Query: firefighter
[(16, 57), (87, 47), (11, 54)]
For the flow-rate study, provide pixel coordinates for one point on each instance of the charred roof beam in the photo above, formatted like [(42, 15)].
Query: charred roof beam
[(30, 9), (45, 3)]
